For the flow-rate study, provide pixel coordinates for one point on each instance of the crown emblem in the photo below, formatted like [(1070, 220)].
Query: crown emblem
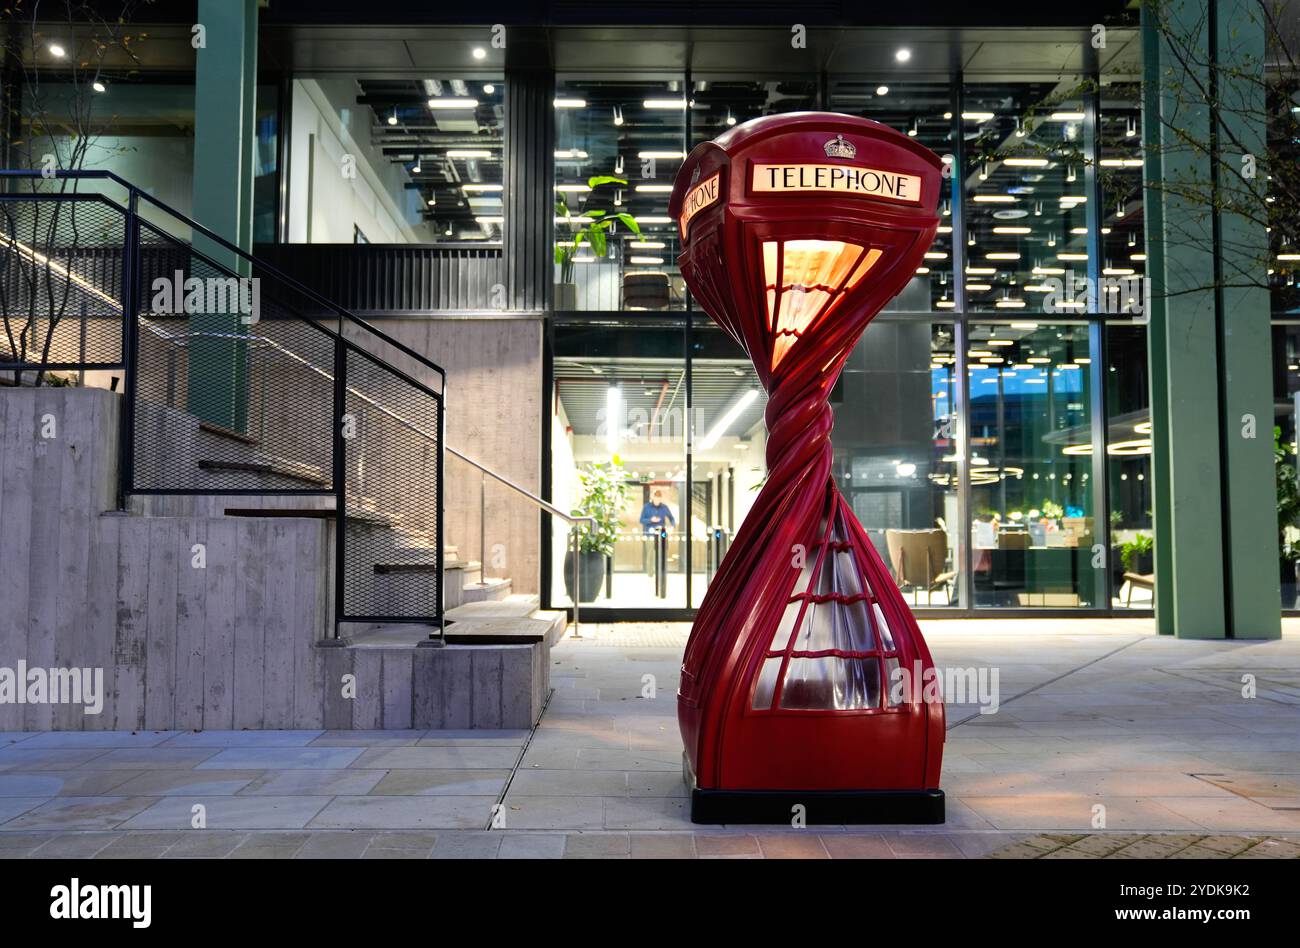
[(695, 175), (837, 147)]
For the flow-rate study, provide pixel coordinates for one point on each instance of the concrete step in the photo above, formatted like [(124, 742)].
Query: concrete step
[(479, 623), (487, 684), (221, 431), (519, 605), (273, 471), (385, 635), (547, 627), (492, 588)]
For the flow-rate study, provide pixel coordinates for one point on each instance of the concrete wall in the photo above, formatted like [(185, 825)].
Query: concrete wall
[(241, 641), (494, 412), (325, 205)]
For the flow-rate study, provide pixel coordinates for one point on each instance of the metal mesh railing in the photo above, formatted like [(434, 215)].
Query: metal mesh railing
[(60, 281), (239, 381), (222, 402), (392, 468)]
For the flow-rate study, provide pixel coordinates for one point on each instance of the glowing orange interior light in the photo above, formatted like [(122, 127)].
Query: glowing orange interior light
[(814, 276)]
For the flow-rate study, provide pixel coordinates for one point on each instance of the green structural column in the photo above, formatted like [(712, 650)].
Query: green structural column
[(1245, 337), (224, 148), (1214, 499)]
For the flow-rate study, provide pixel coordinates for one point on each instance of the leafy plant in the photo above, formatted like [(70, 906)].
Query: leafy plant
[(604, 492), (1052, 510), (1288, 494), (1140, 545), (590, 225)]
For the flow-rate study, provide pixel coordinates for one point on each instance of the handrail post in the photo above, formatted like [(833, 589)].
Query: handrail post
[(439, 536), (339, 474), (482, 527), (577, 592), (130, 345)]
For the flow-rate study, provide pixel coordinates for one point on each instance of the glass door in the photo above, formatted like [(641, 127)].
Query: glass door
[(618, 423)]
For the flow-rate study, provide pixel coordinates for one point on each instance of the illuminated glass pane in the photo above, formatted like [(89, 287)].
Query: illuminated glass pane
[(813, 275), (766, 685), (831, 683)]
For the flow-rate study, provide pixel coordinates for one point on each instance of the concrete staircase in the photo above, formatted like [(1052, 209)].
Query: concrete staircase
[(493, 671)]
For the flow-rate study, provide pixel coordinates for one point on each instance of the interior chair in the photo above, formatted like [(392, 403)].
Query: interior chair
[(918, 559), (646, 289), (1139, 581), (1013, 540)]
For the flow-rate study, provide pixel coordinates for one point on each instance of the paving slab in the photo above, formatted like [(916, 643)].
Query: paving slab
[(406, 812), (76, 783), (191, 782), (244, 738), (439, 758), (100, 739), (408, 782), (531, 846), (79, 813), (228, 813), (312, 782), (282, 758)]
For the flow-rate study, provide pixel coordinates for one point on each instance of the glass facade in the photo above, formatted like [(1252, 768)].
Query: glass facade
[(1032, 517), (973, 439), (1024, 192), (971, 421), (395, 161), (618, 145)]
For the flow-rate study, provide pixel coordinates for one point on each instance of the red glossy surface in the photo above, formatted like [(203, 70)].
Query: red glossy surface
[(731, 745)]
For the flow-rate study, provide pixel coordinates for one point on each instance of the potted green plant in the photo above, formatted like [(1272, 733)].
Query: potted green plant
[(1136, 555), (1288, 513), (591, 225), (603, 494)]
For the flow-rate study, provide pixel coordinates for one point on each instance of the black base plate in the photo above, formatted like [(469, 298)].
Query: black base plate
[(819, 806)]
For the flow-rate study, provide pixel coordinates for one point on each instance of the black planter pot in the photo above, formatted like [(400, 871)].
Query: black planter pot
[(591, 575), (1287, 575)]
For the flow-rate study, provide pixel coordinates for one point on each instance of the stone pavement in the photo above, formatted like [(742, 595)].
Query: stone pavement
[(1104, 731)]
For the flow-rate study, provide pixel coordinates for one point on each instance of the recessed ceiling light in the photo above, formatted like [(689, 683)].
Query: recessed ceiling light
[(57, 51), (882, 90), (98, 86), (453, 103), (469, 153), (488, 88), (570, 103), (902, 55), (480, 52)]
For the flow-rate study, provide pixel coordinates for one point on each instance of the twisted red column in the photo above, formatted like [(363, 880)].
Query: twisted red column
[(797, 511)]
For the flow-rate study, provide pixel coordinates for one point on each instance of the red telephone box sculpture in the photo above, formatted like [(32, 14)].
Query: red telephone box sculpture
[(796, 230)]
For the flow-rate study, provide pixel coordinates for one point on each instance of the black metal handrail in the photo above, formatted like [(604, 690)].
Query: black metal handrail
[(136, 193), (389, 539)]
